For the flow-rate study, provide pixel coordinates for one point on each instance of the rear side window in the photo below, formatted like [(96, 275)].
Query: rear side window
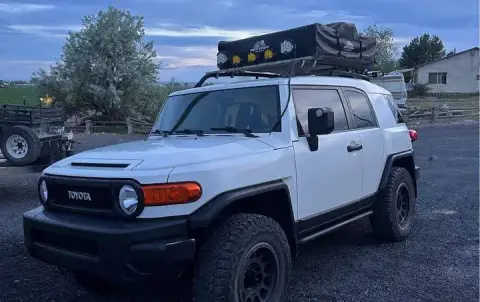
[(315, 98), (395, 111), (362, 112)]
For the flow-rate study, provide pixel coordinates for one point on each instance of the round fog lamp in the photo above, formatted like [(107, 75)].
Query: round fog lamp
[(43, 191), (128, 200)]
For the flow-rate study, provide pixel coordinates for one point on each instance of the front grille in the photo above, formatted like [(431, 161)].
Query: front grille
[(83, 195), (65, 242)]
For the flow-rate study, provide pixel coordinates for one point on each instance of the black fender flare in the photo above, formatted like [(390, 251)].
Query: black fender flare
[(388, 166), (207, 213)]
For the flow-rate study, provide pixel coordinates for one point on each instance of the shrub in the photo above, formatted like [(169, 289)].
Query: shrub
[(419, 90)]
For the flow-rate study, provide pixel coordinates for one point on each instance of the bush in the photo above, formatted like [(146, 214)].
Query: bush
[(419, 90)]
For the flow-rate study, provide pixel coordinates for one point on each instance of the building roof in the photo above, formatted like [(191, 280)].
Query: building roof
[(448, 57)]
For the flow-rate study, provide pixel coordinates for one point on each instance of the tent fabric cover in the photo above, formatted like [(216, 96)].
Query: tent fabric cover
[(340, 40)]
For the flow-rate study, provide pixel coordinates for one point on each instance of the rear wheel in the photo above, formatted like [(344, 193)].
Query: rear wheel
[(20, 145), (392, 218), (246, 259)]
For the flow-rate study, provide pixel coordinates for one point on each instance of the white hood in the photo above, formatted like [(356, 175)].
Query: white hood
[(168, 152)]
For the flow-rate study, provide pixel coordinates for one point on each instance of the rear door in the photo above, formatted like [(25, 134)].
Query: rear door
[(371, 139), (330, 177)]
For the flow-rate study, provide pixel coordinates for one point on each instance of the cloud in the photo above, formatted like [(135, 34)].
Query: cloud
[(36, 63), (18, 8), (176, 57), (226, 3), (162, 30), (402, 40), (43, 30), (205, 31), (315, 15)]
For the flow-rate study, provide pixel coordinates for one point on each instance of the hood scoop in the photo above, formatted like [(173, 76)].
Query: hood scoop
[(99, 165)]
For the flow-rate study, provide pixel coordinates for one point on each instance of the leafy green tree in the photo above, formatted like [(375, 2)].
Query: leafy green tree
[(387, 48), (422, 49), (106, 67)]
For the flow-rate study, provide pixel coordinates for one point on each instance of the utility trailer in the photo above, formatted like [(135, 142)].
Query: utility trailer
[(28, 134)]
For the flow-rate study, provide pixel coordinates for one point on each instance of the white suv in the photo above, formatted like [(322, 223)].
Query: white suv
[(233, 178)]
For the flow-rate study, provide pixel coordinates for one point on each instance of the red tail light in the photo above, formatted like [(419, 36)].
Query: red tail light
[(413, 135)]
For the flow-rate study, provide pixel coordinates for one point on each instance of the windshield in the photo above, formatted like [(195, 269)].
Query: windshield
[(253, 108)]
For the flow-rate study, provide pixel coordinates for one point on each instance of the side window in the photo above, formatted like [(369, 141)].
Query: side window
[(362, 113), (315, 98), (394, 108)]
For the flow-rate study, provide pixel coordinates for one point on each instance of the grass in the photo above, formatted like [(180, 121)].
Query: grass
[(15, 95)]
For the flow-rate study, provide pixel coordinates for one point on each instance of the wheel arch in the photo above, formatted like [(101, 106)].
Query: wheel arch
[(270, 199), (402, 159)]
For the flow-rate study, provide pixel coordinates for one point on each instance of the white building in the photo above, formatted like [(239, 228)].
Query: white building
[(457, 73)]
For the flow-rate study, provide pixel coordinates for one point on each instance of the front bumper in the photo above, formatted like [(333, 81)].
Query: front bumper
[(120, 251)]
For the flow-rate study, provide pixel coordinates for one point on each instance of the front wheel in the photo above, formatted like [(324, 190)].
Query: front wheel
[(393, 211), (245, 259)]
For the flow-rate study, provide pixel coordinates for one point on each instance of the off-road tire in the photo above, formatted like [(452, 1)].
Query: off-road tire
[(385, 220), (223, 258), (34, 145)]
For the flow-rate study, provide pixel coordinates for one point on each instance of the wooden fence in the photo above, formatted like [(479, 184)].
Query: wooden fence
[(439, 114), (412, 116), (120, 127)]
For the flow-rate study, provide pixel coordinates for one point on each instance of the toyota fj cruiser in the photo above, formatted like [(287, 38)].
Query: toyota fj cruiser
[(233, 178)]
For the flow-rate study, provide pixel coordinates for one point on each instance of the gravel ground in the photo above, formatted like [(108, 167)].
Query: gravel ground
[(438, 262)]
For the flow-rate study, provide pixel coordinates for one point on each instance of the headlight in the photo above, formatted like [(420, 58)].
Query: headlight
[(43, 191), (128, 199)]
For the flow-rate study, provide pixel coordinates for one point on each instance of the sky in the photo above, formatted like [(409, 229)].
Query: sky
[(186, 32)]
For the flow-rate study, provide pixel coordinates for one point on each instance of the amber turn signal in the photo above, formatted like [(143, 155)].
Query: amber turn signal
[(174, 193)]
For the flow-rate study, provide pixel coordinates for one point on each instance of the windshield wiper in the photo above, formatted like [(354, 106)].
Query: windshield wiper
[(246, 132), (160, 132), (190, 131)]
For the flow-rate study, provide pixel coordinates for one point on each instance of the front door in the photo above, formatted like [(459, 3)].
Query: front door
[(330, 177)]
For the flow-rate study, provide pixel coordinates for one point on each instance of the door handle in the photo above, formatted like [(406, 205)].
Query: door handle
[(354, 147)]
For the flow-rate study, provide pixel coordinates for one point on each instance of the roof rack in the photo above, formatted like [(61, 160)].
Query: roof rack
[(236, 73), (305, 66)]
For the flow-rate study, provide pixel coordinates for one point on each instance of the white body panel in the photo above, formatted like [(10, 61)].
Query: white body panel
[(318, 181), (329, 177)]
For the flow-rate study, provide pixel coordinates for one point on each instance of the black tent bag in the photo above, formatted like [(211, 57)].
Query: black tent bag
[(340, 40)]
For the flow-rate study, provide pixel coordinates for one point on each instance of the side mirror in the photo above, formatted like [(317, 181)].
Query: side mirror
[(320, 121)]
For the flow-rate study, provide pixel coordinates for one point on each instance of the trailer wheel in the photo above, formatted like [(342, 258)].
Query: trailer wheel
[(20, 145)]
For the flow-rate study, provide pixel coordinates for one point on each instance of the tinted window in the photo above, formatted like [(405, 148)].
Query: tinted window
[(315, 98), (254, 108), (363, 114), (394, 108)]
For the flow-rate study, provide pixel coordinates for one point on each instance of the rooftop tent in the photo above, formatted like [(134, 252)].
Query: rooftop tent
[(335, 44)]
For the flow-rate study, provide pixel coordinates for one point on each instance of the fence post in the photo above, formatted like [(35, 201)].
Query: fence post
[(129, 126), (88, 126), (434, 114)]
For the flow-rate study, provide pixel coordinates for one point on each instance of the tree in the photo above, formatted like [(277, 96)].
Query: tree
[(106, 67), (387, 48), (422, 50)]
